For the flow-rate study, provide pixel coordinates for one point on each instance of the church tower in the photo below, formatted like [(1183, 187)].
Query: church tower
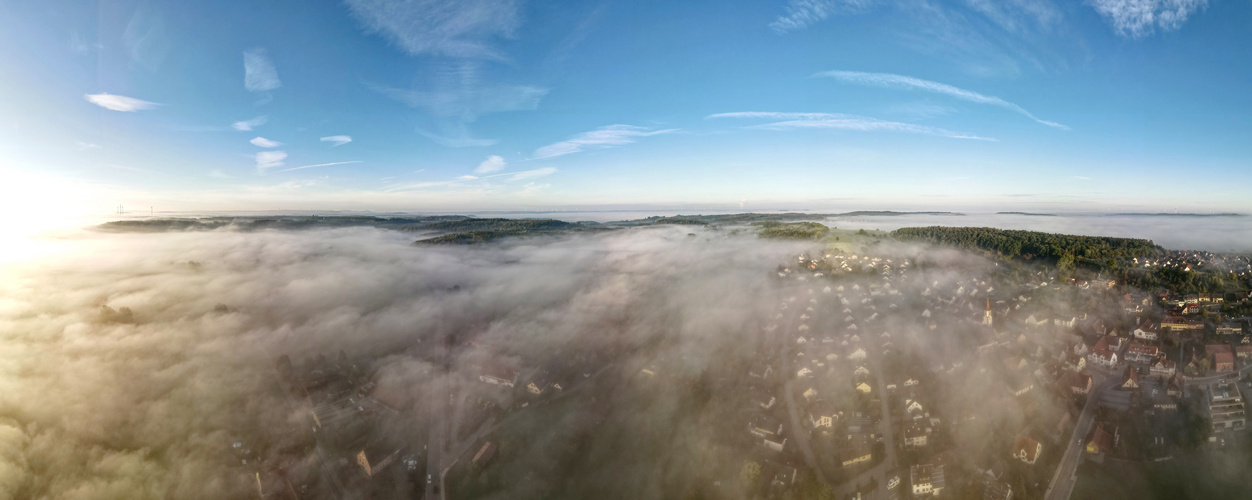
[(986, 317)]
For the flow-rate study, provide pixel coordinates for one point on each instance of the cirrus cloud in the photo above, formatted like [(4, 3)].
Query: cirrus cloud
[(604, 137), (119, 102)]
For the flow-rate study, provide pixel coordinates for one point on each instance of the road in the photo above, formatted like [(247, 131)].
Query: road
[(798, 435), (878, 472), (1063, 480)]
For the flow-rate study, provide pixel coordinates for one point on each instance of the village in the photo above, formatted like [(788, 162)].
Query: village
[(872, 375)]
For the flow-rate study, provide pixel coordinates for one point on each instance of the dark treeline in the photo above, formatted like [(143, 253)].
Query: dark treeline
[(792, 230), (1066, 249), (247, 223)]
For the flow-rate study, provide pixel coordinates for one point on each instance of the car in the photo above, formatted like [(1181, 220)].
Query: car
[(428, 478)]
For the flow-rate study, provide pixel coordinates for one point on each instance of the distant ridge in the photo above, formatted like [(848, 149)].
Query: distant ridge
[(1164, 214), (1026, 213)]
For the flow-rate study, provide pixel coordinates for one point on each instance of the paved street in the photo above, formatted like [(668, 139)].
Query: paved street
[(1063, 480)]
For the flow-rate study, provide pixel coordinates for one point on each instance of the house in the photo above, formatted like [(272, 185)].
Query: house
[(1230, 328), (1224, 362), (1163, 368), (375, 457), (1175, 387), (1179, 323), (857, 452), (762, 399), (857, 355), (823, 415), (774, 443), (1026, 449), (810, 394), (1243, 351), (995, 489), (540, 382), (863, 387), (1102, 354), (498, 374), (1100, 441), (762, 425), (1074, 383), (914, 408), (1146, 331), (760, 370), (779, 475), (1130, 379), (916, 435), (1018, 383), (927, 479), (1142, 353), (485, 454), (860, 371)]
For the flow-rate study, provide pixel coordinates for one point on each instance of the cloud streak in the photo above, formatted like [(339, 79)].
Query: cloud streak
[(266, 160), (1140, 18), (337, 140), (119, 102), (461, 29), (248, 125), (901, 82), (602, 138), (259, 72), (321, 165), (262, 142), (792, 121), (491, 164), (801, 14)]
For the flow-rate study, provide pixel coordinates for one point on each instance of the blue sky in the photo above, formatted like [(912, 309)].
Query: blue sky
[(496, 104)]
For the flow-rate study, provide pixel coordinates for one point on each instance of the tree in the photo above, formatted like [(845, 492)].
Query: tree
[(750, 474)]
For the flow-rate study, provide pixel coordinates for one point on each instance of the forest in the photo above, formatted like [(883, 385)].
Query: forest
[(1065, 249)]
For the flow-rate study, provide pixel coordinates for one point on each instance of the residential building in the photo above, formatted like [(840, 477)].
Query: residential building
[(916, 435), (1102, 354), (1142, 353), (857, 452), (927, 479), (1130, 379), (498, 374), (374, 458), (1100, 441), (762, 399), (1179, 323), (1230, 328), (1226, 409), (995, 489), (1163, 368), (762, 425), (1224, 362), (1146, 331), (1026, 449), (540, 382), (822, 415)]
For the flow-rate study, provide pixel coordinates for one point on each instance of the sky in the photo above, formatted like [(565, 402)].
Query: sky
[(434, 105)]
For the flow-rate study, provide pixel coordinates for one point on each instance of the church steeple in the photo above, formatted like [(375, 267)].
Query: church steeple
[(986, 317)]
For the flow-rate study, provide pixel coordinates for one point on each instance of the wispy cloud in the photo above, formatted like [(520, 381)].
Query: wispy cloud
[(119, 102), (1139, 18), (454, 28), (262, 142), (248, 125), (801, 14), (892, 81), (321, 165), (455, 95), (1015, 15), (259, 74), (790, 121), (491, 164), (266, 160), (604, 137), (337, 140), (465, 179)]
